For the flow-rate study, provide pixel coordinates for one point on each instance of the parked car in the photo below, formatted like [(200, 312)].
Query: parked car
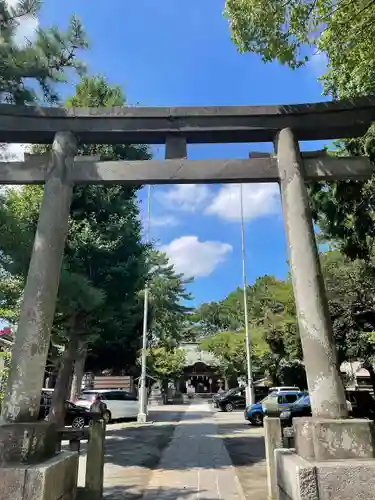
[(274, 403), (75, 416), (236, 398), (221, 395), (120, 404), (360, 405)]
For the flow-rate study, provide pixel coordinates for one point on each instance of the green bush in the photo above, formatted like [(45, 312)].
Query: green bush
[(4, 374)]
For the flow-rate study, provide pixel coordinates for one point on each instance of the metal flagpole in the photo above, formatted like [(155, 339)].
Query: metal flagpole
[(142, 409), (250, 397)]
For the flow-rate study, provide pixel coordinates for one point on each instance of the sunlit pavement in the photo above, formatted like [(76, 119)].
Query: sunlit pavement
[(189, 452)]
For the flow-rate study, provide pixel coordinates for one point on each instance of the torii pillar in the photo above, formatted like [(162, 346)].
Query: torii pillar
[(27, 446), (334, 455)]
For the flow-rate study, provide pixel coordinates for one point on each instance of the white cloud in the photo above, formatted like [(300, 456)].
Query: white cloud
[(258, 200), (164, 221), (186, 197), (196, 258), (27, 27)]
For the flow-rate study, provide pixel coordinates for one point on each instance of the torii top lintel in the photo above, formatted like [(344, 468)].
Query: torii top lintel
[(224, 124)]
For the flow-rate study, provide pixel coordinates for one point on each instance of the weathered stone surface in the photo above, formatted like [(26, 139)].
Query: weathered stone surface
[(296, 477), (95, 460), (22, 399), (273, 441), (346, 480), (328, 439), (299, 479), (12, 481), (26, 443), (325, 385), (143, 125), (54, 479)]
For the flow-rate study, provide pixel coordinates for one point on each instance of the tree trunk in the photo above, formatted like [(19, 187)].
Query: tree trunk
[(79, 370), (62, 388)]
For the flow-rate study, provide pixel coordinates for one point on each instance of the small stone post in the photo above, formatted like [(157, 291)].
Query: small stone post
[(95, 460), (273, 440), (30, 351), (325, 385)]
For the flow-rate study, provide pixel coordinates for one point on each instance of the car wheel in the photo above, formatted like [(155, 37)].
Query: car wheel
[(228, 407), (257, 418), (78, 423), (107, 416)]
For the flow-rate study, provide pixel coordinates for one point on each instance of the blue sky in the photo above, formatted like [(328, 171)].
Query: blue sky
[(179, 52)]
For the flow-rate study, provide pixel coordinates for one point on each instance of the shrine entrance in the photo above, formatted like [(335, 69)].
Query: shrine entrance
[(201, 377)]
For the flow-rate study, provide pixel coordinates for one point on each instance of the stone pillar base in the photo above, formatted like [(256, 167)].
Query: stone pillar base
[(54, 479), (300, 479), (330, 439), (27, 442)]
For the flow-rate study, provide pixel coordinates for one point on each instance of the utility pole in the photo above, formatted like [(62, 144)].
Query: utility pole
[(250, 397), (142, 409)]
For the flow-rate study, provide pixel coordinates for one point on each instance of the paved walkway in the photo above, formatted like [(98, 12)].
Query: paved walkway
[(196, 464), (189, 445)]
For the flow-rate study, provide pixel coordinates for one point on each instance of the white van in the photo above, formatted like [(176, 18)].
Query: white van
[(120, 404)]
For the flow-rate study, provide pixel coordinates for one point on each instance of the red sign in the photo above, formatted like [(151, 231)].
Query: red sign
[(6, 331)]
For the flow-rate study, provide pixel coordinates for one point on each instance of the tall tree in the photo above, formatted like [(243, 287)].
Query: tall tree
[(294, 31), (165, 364), (342, 32), (350, 288), (168, 301), (229, 348), (44, 60), (273, 328)]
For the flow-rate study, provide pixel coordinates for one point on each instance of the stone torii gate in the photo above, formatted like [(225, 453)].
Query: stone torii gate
[(23, 439)]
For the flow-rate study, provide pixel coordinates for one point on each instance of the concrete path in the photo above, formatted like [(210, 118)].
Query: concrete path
[(196, 464)]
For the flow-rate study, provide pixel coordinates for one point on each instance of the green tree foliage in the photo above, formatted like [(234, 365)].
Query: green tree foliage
[(5, 359), (165, 364), (290, 31), (272, 309), (343, 32), (350, 286), (273, 328), (45, 60), (168, 297), (344, 210), (229, 348)]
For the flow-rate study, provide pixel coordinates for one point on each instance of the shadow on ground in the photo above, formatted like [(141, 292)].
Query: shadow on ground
[(139, 448), (117, 493)]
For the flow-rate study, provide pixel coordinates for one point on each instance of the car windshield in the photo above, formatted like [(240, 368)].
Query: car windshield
[(270, 396), (87, 396), (304, 400), (232, 391)]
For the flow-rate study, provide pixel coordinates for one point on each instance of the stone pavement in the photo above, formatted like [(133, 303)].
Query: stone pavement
[(196, 464), (132, 452), (189, 452)]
